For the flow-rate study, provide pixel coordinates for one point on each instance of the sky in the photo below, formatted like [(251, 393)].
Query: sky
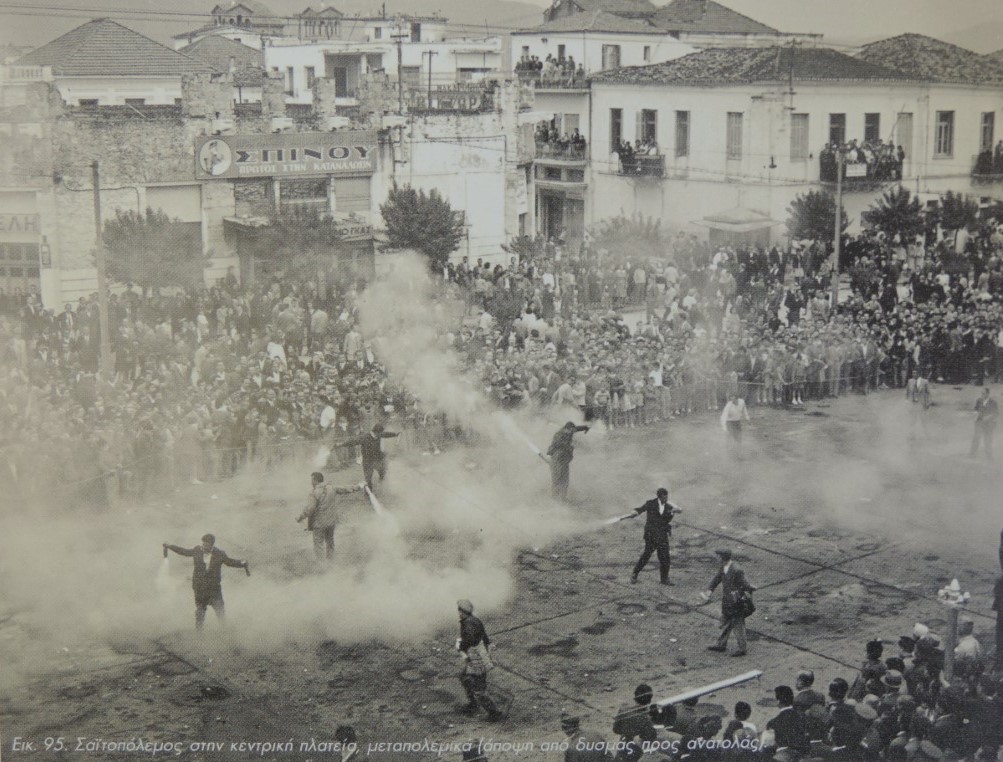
[(977, 24)]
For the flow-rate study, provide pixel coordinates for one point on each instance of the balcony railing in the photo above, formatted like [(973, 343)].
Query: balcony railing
[(988, 167), (642, 165), (878, 169), (556, 81), (560, 151)]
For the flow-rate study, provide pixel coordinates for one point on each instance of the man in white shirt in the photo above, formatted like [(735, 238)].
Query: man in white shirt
[(731, 418)]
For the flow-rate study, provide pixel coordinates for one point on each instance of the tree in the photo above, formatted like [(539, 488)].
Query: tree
[(152, 250), (896, 213), (299, 241), (957, 211), (634, 237), (423, 222), (812, 216)]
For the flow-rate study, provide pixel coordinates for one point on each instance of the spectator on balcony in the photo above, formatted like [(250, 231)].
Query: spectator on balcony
[(628, 161)]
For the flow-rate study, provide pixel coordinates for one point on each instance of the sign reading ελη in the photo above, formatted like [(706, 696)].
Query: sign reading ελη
[(285, 154)]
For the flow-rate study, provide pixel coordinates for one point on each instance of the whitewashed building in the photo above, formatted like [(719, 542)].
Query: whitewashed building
[(740, 130)]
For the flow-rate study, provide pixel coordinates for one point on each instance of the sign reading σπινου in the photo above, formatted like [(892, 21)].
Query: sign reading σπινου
[(285, 154)]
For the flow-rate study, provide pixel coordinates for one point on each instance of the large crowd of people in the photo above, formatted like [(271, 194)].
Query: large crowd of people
[(207, 380), (877, 160), (898, 706), (552, 71)]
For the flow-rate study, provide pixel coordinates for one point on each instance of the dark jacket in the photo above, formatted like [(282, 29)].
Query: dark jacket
[(370, 444), (734, 584), (472, 632), (207, 577), (789, 729), (561, 447), (657, 526)]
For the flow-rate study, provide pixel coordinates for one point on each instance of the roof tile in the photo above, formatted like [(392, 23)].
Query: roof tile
[(746, 65), (706, 16), (104, 47), (926, 58)]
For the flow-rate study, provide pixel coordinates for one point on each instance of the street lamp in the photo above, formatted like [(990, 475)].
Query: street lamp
[(952, 597)]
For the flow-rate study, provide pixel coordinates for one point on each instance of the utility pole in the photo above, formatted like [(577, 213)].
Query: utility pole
[(430, 53), (839, 229), (105, 340), (399, 37)]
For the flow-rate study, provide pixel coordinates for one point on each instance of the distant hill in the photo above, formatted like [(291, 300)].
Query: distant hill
[(470, 16), (983, 38)]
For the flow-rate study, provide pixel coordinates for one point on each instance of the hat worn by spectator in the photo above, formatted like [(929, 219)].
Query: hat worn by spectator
[(866, 712), (724, 553), (893, 678), (465, 606)]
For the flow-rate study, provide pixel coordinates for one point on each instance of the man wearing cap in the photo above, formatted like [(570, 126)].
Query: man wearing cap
[(734, 592), (473, 644), (657, 530), (373, 457), (593, 746), (561, 453), (207, 575), (321, 513)]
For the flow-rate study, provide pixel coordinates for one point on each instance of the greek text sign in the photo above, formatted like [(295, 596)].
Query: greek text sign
[(285, 154), (19, 223)]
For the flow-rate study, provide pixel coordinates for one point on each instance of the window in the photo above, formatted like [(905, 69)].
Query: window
[(872, 128), (646, 55), (734, 146), (560, 52), (311, 76), (88, 101), (415, 31), (615, 128), (986, 133), (290, 81), (135, 101), (943, 141), (378, 33), (611, 56), (682, 133), (799, 137), (837, 129), (647, 126)]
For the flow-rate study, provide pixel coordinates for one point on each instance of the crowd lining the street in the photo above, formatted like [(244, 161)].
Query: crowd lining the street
[(211, 379)]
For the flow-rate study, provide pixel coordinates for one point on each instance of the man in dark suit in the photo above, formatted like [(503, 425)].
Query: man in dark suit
[(788, 725), (373, 457), (657, 530), (561, 453), (207, 575), (735, 589)]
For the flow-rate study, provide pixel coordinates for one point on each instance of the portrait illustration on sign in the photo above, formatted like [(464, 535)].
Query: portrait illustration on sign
[(215, 157)]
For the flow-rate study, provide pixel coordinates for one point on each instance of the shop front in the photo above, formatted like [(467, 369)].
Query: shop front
[(22, 247)]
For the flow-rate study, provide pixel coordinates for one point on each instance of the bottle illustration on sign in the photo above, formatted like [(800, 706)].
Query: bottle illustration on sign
[(215, 157)]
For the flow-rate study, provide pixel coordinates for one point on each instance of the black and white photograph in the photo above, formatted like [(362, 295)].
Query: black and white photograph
[(501, 380)]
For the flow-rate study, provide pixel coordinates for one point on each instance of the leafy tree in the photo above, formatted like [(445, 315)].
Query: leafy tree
[(812, 216), (957, 211), (523, 246), (299, 242), (152, 250), (424, 222), (634, 237), (896, 213)]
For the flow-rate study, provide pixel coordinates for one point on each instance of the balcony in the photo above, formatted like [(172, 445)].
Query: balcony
[(579, 80), (859, 173), (642, 165), (987, 167), (561, 152), (560, 177)]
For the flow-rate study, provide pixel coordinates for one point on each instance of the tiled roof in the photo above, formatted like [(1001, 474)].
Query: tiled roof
[(104, 47), (706, 16), (596, 21), (323, 13), (217, 52), (746, 65), (616, 7), (926, 58)]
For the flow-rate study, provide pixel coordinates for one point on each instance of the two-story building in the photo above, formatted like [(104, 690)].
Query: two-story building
[(745, 130), (248, 22)]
